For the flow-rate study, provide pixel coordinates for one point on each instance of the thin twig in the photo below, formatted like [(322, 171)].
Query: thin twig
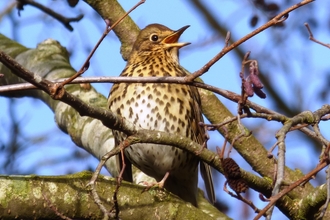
[(105, 33), (269, 152), (212, 127), (65, 21), (276, 20), (243, 134), (54, 208), (318, 133), (311, 37), (96, 173), (241, 198), (325, 162)]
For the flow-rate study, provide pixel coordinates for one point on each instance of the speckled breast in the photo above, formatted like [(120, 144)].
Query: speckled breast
[(161, 107)]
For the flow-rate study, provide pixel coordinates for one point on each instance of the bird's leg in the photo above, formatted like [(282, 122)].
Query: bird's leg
[(160, 184)]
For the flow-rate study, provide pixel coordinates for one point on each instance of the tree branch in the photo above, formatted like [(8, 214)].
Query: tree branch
[(70, 197)]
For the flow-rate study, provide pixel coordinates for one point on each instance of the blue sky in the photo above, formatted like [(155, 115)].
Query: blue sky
[(39, 120)]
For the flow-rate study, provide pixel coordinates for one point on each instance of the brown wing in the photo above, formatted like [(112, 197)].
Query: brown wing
[(199, 137)]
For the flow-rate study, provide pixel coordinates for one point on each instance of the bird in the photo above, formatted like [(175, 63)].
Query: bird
[(172, 108)]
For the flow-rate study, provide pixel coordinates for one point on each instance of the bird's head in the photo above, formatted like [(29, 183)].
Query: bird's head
[(157, 37)]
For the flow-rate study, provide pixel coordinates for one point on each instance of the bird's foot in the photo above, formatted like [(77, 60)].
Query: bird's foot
[(159, 184)]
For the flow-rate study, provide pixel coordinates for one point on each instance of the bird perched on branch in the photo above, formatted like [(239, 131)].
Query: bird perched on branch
[(172, 108)]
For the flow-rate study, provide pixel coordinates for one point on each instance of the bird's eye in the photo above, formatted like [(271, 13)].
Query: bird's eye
[(154, 37)]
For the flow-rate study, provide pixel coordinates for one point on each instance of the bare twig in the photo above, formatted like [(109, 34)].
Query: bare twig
[(52, 207), (97, 171), (65, 21), (276, 20), (241, 198), (105, 33), (324, 162), (243, 134), (212, 127), (270, 154), (318, 133), (325, 118), (311, 37)]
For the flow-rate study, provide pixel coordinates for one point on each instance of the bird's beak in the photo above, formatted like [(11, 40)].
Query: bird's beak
[(172, 39)]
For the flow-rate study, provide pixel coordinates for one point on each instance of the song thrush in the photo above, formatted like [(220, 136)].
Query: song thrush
[(164, 107)]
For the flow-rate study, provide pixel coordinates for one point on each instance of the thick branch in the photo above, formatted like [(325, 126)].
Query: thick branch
[(69, 196)]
